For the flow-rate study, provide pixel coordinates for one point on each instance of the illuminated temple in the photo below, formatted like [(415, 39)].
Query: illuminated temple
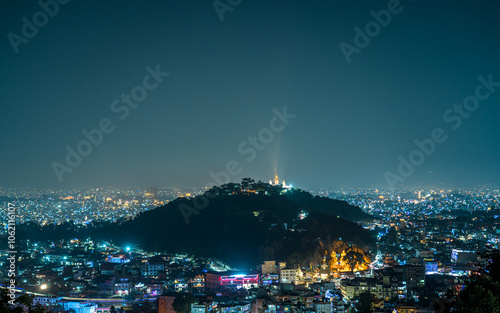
[(276, 182)]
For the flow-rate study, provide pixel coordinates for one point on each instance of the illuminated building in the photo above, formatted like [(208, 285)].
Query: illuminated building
[(271, 267), (79, 306), (122, 286), (462, 256), (354, 287), (231, 279), (46, 300), (322, 307), (288, 275), (270, 278), (276, 182), (198, 282), (152, 269), (200, 308), (118, 258), (431, 268)]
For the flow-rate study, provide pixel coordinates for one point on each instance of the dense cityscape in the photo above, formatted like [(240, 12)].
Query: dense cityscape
[(427, 244), (237, 156)]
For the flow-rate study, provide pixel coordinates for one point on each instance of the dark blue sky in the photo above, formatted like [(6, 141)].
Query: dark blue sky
[(352, 120)]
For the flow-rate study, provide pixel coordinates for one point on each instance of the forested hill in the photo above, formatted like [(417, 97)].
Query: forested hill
[(239, 225), (244, 226), (327, 205)]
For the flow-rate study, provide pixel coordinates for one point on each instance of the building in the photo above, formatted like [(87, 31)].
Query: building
[(425, 254), (106, 285), (152, 269), (288, 275), (338, 307), (412, 309), (322, 307), (200, 308), (231, 279), (46, 301), (197, 282), (268, 279), (414, 275), (463, 256), (231, 307), (108, 269), (165, 302), (122, 286), (354, 287), (79, 306), (269, 267), (118, 258)]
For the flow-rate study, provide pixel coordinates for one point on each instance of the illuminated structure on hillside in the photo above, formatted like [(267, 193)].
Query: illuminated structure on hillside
[(276, 182), (229, 279)]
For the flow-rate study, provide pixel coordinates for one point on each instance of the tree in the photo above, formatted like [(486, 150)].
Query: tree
[(492, 267), (247, 182), (182, 303), (353, 259), (480, 296), (24, 301), (482, 292), (365, 304), (130, 297)]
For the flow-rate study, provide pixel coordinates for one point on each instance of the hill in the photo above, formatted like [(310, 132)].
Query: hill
[(244, 226), (236, 223)]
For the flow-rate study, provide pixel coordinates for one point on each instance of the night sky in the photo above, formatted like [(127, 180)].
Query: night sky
[(352, 120)]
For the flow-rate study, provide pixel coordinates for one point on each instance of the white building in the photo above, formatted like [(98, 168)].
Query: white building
[(322, 307), (46, 301), (288, 275), (79, 307), (152, 269)]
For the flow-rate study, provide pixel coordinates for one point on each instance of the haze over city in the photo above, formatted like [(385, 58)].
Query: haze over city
[(358, 101)]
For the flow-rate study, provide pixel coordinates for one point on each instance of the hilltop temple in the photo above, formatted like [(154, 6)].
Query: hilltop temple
[(276, 182)]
